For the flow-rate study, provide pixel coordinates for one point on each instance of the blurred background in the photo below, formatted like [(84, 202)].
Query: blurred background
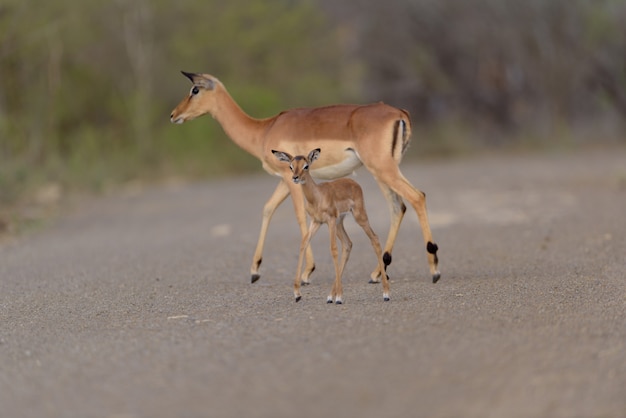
[(86, 87)]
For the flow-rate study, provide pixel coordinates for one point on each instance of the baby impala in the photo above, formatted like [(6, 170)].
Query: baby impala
[(328, 203)]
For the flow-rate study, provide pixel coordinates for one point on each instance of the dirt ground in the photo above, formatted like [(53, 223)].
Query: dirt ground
[(140, 304)]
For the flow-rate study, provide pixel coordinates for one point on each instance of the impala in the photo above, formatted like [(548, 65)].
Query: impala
[(328, 203), (374, 135)]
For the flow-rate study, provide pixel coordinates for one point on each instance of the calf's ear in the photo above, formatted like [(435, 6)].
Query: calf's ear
[(282, 156), (313, 155)]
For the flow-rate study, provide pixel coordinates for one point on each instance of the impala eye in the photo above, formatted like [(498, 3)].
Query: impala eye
[(291, 167), (195, 90), (306, 167)]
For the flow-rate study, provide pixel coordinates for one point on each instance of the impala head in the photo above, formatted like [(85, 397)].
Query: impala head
[(201, 98), (299, 164)]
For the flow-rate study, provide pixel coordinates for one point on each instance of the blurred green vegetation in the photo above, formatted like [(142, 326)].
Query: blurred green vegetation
[(86, 87)]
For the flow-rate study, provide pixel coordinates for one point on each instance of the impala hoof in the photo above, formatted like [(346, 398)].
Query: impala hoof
[(436, 277), (375, 281), (338, 301), (386, 298), (329, 299), (254, 278), (298, 298)]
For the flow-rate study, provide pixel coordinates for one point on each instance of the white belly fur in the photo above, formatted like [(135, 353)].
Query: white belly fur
[(347, 166)]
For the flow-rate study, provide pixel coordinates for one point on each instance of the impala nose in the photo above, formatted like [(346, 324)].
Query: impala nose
[(175, 120)]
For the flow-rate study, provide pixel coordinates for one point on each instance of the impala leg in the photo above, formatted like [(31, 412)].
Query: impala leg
[(346, 244), (360, 216), (278, 196), (401, 186), (298, 203), (304, 244), (337, 290), (397, 208)]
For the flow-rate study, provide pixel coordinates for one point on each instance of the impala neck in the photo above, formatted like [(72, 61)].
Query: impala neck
[(242, 129), (310, 189)]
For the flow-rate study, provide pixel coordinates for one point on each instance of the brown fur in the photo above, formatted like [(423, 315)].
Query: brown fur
[(328, 203), (349, 136)]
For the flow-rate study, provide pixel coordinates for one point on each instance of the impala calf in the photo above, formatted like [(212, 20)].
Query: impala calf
[(374, 135), (328, 203)]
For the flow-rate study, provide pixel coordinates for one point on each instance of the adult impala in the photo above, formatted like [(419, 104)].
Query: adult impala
[(374, 135)]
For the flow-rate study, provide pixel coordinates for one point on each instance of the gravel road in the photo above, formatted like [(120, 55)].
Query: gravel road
[(140, 304)]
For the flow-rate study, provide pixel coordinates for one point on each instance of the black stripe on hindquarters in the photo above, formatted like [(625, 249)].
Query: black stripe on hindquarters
[(399, 133), (394, 139)]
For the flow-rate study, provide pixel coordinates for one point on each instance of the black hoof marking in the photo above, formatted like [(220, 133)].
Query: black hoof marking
[(254, 278), (436, 277), (386, 299), (432, 249), (303, 283), (329, 301), (386, 259), (298, 298), (372, 281), (338, 302)]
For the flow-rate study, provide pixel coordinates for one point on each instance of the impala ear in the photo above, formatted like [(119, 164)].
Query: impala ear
[(282, 156), (313, 155), (207, 83), (190, 76), (200, 80)]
